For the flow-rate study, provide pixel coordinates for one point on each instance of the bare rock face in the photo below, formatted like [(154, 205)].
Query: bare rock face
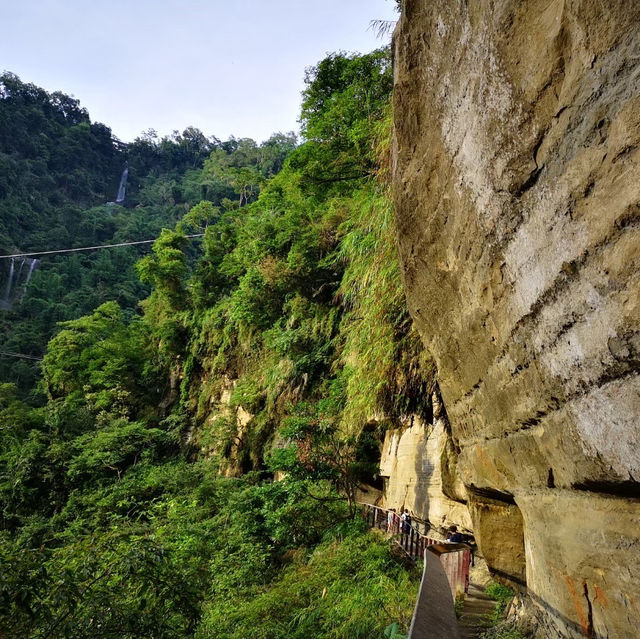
[(412, 465), (517, 186), (224, 432)]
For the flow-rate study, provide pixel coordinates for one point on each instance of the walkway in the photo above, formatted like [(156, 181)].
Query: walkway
[(473, 619), (447, 568)]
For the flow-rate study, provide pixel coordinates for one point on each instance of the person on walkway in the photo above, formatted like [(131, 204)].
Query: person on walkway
[(390, 517), (455, 537), (405, 522)]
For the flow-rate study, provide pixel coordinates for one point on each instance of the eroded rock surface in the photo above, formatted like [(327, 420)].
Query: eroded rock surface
[(225, 431), (412, 467), (517, 189)]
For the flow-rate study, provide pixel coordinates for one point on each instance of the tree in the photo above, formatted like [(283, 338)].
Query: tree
[(319, 449), (344, 96), (166, 269), (238, 169), (99, 359)]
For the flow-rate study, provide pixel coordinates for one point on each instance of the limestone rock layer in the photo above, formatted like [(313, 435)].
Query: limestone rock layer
[(517, 187)]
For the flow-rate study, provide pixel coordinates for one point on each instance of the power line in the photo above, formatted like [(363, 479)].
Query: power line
[(88, 248), (20, 355)]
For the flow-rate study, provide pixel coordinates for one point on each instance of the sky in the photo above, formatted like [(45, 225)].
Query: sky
[(227, 67)]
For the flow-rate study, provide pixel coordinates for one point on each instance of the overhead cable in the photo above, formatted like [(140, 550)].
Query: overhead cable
[(89, 248), (20, 355)]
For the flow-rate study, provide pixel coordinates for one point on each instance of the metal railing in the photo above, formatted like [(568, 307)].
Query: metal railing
[(455, 558)]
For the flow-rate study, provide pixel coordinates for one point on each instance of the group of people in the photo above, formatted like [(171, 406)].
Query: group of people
[(404, 526), (404, 521)]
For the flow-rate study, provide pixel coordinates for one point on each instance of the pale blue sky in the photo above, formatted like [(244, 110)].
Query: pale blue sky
[(224, 66)]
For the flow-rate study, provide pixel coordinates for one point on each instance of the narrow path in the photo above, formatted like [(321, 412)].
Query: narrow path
[(447, 567), (477, 606)]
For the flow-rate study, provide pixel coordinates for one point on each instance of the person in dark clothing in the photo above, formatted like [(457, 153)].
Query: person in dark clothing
[(405, 521), (455, 537)]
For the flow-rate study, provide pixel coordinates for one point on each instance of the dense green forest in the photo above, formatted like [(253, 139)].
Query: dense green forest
[(58, 170), (136, 471)]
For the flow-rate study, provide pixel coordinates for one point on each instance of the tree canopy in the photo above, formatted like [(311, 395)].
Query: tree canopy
[(136, 482)]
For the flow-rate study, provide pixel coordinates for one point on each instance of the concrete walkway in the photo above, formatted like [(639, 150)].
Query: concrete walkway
[(473, 619), (434, 617)]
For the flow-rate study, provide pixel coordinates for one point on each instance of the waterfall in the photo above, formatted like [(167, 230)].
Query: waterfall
[(123, 184), (19, 273), (32, 268), (16, 287), (9, 281)]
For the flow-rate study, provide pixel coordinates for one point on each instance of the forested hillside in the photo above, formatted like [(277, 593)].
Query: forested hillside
[(58, 170), (134, 501)]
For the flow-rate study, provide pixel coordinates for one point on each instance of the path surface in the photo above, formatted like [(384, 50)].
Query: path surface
[(477, 605)]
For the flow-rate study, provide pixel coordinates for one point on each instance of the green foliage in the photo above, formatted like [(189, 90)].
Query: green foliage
[(96, 356), (166, 269), (342, 589), (503, 595), (248, 165), (318, 449), (57, 170), (392, 631), (344, 98), (200, 216), (21, 451), (499, 592), (301, 293), (171, 551), (389, 369), (503, 632), (115, 522), (112, 449)]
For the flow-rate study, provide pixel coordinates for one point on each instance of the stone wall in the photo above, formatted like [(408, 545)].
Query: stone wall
[(517, 190)]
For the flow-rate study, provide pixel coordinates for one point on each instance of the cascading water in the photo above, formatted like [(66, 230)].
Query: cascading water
[(7, 291), (16, 287), (19, 273), (123, 184), (32, 268)]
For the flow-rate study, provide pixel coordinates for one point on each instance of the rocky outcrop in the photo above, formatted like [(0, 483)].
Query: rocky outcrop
[(223, 435), (516, 179), (419, 473)]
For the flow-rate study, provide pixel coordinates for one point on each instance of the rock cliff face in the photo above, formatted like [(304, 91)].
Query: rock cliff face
[(225, 431), (414, 467), (517, 186)]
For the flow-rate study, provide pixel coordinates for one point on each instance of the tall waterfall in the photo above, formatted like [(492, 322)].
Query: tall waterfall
[(123, 184), (32, 267), (7, 291), (18, 280)]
